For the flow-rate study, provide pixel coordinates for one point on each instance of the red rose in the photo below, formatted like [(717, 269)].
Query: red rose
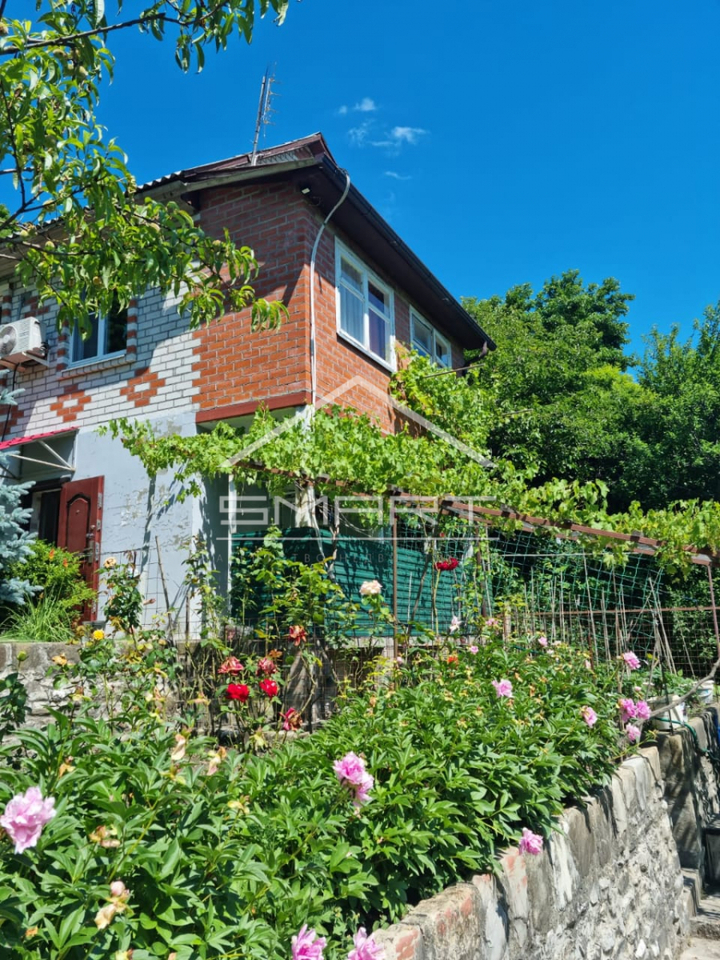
[(231, 665), (450, 564), (266, 666), (292, 720), (269, 687), (237, 691), (297, 634)]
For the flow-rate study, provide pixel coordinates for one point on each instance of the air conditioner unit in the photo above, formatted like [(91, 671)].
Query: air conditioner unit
[(16, 339)]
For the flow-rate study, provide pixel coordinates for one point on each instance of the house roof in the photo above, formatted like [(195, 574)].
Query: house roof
[(309, 163)]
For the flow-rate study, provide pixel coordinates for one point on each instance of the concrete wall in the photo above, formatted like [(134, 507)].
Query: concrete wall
[(607, 885)]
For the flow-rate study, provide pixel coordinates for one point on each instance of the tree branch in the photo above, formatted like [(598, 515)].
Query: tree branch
[(71, 39)]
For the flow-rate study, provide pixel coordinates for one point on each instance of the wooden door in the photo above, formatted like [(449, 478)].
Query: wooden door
[(79, 528)]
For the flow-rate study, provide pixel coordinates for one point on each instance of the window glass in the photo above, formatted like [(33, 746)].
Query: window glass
[(442, 351), (116, 331), (86, 349), (379, 335), (108, 335), (365, 307), (352, 276), (422, 337), (427, 341), (352, 318), (377, 298)]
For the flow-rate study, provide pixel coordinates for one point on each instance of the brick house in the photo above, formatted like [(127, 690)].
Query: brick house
[(369, 293)]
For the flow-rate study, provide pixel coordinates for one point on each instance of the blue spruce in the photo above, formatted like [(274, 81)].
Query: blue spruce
[(15, 541)]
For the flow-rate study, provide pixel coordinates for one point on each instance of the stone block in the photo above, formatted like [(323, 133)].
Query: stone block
[(493, 918), (580, 839), (651, 755), (565, 875), (643, 780), (401, 941), (619, 807), (450, 924), (514, 884), (600, 814), (541, 894)]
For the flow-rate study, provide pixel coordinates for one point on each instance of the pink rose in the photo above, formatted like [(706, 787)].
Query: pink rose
[(642, 710), (633, 732), (631, 660), (531, 842), (628, 709), (365, 947), (307, 945), (589, 716), (543, 641), (351, 773), (25, 816), (473, 649), (503, 688)]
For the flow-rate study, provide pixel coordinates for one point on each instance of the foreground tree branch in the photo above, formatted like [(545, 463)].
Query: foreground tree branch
[(76, 223)]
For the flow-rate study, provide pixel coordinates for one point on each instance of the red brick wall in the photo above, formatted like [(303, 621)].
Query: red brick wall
[(237, 366)]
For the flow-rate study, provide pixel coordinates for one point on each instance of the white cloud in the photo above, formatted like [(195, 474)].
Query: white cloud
[(342, 110), (392, 140), (397, 176), (407, 134), (366, 105), (358, 135)]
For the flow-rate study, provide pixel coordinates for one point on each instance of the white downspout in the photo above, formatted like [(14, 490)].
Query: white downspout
[(313, 345)]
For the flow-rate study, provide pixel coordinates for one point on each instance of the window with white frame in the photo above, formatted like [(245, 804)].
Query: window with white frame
[(107, 337), (427, 341), (365, 307)]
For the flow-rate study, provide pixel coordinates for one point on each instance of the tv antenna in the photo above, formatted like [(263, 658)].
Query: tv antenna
[(265, 110)]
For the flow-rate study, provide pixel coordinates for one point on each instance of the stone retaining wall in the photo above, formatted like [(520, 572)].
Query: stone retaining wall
[(607, 885)]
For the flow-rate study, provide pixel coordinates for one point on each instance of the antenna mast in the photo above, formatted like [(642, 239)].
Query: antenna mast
[(264, 111)]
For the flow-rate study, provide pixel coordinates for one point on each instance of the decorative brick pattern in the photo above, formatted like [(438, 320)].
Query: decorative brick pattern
[(71, 402), (143, 387)]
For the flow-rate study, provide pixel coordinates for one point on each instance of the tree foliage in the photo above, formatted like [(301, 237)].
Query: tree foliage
[(559, 397), (75, 225)]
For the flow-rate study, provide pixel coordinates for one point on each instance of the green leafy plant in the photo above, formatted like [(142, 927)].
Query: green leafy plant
[(214, 853), (61, 588)]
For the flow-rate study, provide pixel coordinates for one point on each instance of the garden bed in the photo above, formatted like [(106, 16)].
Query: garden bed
[(228, 854)]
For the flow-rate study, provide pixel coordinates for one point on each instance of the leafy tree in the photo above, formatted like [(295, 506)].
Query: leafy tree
[(15, 541), (681, 427), (556, 389), (76, 225)]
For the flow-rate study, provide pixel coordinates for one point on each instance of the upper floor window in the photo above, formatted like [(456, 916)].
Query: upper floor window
[(365, 307), (107, 338), (427, 341)]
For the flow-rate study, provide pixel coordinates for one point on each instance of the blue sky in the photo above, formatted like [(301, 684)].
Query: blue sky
[(505, 141)]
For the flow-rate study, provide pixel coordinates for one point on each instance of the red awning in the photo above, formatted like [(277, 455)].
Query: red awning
[(18, 441)]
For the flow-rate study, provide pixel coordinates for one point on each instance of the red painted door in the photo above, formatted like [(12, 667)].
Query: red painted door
[(79, 528)]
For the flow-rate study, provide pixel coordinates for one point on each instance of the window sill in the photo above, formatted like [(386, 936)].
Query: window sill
[(85, 367), (368, 353)]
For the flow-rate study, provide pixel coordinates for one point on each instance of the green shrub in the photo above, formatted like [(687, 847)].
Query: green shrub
[(227, 855), (62, 590)]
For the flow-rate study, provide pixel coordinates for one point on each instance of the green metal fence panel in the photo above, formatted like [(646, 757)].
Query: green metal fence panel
[(425, 595)]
